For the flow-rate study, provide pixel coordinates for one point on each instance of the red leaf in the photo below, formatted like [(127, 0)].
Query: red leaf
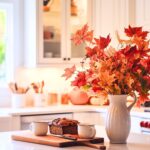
[(130, 51), (142, 98), (131, 31), (147, 79), (146, 63), (96, 88), (102, 42), (90, 51), (80, 80), (143, 34)]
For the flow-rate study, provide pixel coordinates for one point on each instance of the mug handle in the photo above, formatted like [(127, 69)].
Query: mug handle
[(93, 131)]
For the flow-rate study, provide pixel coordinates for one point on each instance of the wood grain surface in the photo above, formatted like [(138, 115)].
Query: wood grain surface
[(28, 136)]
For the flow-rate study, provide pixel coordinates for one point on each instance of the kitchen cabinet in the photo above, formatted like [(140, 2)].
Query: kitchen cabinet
[(97, 118), (49, 26), (142, 14), (135, 124), (23, 122), (47, 32), (5, 123)]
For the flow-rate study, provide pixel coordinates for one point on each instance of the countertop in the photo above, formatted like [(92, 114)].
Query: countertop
[(139, 112), (52, 109), (134, 142)]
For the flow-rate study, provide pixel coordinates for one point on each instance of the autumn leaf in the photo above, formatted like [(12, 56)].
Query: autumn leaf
[(102, 42), (119, 70), (131, 31), (69, 71), (80, 80), (82, 35), (142, 98), (90, 51)]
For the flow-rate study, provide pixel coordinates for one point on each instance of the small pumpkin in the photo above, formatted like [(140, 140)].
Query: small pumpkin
[(78, 97)]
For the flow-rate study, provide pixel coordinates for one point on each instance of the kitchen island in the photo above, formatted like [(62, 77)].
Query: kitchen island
[(20, 118), (134, 142)]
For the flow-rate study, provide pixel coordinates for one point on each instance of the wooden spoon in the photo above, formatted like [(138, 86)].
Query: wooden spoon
[(42, 85)]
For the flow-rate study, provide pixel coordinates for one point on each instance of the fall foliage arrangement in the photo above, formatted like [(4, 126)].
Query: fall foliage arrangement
[(116, 71)]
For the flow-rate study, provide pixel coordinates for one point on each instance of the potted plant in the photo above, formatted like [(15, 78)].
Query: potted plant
[(117, 72)]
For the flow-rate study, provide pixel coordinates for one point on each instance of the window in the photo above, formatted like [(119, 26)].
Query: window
[(6, 50), (6, 26)]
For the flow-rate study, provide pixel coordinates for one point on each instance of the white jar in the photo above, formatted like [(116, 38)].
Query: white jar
[(18, 100), (38, 99)]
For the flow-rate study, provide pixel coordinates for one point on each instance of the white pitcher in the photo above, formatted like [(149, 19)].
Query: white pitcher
[(118, 121)]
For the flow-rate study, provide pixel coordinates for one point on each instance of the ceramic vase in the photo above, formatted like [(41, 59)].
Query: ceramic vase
[(118, 121)]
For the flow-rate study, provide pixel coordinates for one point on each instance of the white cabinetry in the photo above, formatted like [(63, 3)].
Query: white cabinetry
[(135, 124), (142, 15), (90, 117), (23, 122), (26, 120), (5, 123), (99, 119), (48, 33), (111, 15)]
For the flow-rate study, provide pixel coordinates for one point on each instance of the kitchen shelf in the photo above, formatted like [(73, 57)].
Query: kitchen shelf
[(52, 40)]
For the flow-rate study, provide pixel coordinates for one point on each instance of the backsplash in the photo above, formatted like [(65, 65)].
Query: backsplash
[(54, 83), (51, 76)]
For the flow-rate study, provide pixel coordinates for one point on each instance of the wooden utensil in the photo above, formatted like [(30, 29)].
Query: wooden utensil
[(42, 85), (12, 87), (16, 87)]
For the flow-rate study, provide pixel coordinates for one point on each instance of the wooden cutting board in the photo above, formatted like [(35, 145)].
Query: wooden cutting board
[(28, 136)]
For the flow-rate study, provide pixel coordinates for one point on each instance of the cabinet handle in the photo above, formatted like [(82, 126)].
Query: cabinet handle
[(69, 59), (64, 59)]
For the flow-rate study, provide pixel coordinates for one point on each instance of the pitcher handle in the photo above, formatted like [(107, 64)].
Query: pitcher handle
[(132, 104)]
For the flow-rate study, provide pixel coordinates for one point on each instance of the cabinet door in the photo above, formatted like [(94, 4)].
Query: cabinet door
[(51, 31), (135, 124), (79, 13), (26, 120), (90, 117), (5, 123), (142, 15)]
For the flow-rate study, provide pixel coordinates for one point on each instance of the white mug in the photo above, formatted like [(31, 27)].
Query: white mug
[(86, 130), (39, 128)]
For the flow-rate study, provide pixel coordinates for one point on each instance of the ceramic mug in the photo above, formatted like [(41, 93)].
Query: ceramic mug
[(39, 128), (86, 130)]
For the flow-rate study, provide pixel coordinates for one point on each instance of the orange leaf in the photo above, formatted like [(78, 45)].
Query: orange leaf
[(69, 71)]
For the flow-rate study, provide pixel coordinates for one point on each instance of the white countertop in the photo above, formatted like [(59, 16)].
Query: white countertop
[(52, 109), (139, 112), (134, 142)]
